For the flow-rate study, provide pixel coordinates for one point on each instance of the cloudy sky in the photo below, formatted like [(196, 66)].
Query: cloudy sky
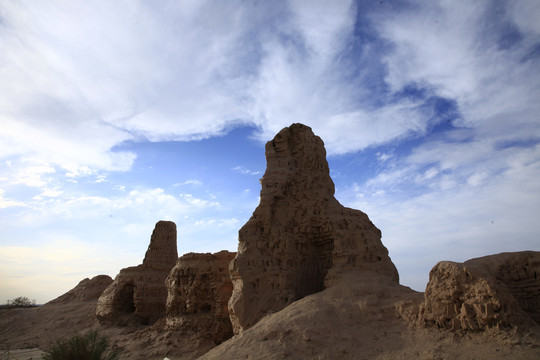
[(117, 114)]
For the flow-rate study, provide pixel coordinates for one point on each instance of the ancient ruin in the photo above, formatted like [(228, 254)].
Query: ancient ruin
[(493, 291), (300, 239), (199, 288), (300, 244), (139, 293)]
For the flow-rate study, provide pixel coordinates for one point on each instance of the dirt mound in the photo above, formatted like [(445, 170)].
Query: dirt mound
[(87, 289), (43, 325)]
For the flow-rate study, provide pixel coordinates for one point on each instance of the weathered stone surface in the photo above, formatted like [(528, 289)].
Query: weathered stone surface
[(139, 292), (493, 291), (199, 288), (300, 238), (86, 290)]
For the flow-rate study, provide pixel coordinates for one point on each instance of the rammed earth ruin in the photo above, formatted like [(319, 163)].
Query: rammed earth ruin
[(302, 256), (299, 241)]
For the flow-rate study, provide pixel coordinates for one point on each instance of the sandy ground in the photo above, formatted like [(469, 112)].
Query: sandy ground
[(22, 354), (355, 319), (42, 326)]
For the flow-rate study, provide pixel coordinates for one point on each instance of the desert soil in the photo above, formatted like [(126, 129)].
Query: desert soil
[(355, 319)]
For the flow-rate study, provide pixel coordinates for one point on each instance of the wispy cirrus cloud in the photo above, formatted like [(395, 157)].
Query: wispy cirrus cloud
[(477, 54), (76, 89)]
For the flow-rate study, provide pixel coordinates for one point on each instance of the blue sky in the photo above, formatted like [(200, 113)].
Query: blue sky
[(114, 115)]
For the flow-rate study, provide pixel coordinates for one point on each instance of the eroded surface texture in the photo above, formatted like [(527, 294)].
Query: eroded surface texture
[(199, 288), (300, 238), (139, 292), (493, 291)]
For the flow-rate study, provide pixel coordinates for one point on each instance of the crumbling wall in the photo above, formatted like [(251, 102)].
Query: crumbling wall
[(139, 293), (199, 288), (493, 291)]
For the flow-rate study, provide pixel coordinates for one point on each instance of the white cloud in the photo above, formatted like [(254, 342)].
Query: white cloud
[(75, 89), (360, 129), (84, 77), (216, 222), (477, 179), (192, 182), (198, 203), (32, 175), (64, 229), (429, 174), (456, 51), (324, 26), (478, 206), (6, 203), (382, 156), (139, 205), (391, 177), (524, 15), (49, 193), (245, 171)]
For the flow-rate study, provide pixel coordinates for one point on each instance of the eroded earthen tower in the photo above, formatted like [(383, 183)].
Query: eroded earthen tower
[(300, 238), (139, 292)]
